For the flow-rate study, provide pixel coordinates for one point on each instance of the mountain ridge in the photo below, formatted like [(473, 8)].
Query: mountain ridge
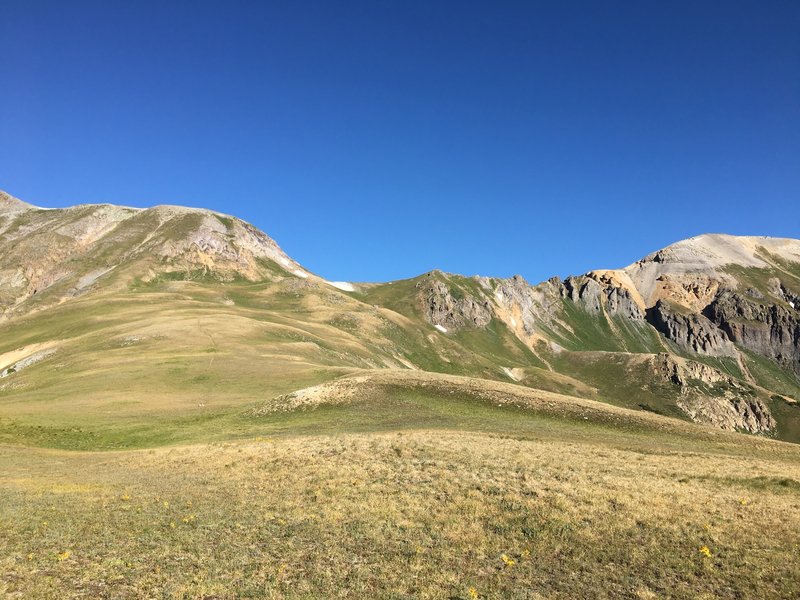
[(675, 253), (707, 328)]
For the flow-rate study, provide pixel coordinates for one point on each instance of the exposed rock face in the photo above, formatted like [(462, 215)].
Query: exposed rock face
[(714, 398), (527, 307), (692, 332), (584, 292), (771, 330), (595, 293), (448, 307), (524, 305)]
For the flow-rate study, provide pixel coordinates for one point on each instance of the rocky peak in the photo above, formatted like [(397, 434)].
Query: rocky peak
[(447, 305), (691, 271), (600, 291), (59, 253)]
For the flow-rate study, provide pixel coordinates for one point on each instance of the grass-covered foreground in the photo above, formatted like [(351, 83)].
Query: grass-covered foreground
[(554, 507)]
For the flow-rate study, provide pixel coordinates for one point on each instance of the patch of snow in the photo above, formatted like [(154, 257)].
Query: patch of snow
[(300, 273), (284, 261), (513, 322), (791, 304), (440, 328), (342, 285), (510, 373)]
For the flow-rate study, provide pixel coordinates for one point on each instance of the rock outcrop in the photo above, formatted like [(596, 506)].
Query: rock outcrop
[(596, 293), (691, 332), (770, 330), (525, 306), (709, 396), (449, 307)]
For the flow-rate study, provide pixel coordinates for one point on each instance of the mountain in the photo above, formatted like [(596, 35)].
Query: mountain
[(187, 412), (171, 312)]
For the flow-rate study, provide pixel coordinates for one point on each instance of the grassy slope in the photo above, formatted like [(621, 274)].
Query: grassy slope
[(364, 500), (175, 361), (408, 491)]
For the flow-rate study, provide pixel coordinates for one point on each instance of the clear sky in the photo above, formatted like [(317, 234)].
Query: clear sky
[(377, 140)]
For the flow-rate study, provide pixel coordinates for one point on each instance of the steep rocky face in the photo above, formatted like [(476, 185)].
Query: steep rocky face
[(691, 332), (770, 330), (709, 396), (596, 293), (449, 307), (533, 306), (523, 306)]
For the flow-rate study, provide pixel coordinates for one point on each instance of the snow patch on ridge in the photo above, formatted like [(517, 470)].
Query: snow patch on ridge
[(345, 286), (300, 273), (440, 328)]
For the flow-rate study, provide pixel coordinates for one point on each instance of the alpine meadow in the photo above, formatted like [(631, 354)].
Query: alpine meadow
[(185, 411)]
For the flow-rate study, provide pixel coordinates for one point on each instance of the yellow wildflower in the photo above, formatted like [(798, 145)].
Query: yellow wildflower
[(124, 497), (473, 593), (64, 555), (705, 551), (172, 524), (509, 562), (30, 556)]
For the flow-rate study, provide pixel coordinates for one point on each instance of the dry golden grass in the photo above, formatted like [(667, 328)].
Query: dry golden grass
[(423, 514)]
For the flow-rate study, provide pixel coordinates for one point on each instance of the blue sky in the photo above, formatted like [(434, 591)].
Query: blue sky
[(376, 140)]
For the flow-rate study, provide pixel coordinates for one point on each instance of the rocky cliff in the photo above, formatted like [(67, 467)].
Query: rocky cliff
[(769, 329), (448, 307), (692, 332)]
